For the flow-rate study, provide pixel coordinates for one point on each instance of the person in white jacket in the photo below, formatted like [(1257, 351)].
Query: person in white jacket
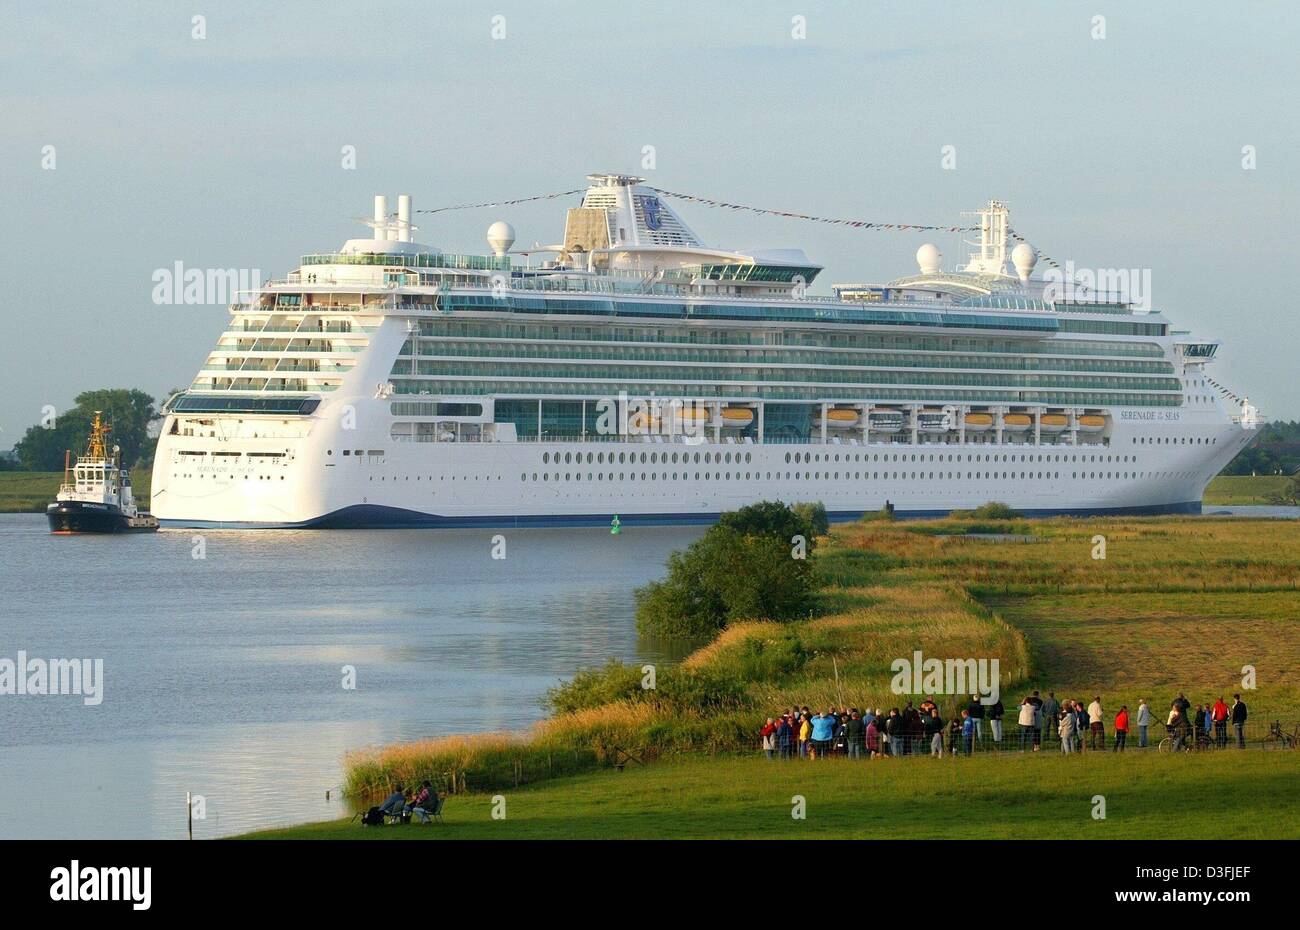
[(1066, 731), (1143, 721), (1028, 721), (1096, 726)]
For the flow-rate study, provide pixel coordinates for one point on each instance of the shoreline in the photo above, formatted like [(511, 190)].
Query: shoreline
[(30, 491)]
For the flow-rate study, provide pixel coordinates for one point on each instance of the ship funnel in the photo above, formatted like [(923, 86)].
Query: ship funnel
[(381, 216), (403, 217)]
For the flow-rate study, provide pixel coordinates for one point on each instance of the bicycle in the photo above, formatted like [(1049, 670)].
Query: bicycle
[(1189, 741), (1277, 735)]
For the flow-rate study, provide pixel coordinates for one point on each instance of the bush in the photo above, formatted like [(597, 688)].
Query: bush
[(592, 687), (993, 510), (742, 568), (682, 689), (814, 514), (762, 660)]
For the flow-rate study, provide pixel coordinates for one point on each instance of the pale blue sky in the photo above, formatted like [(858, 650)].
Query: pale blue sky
[(225, 152)]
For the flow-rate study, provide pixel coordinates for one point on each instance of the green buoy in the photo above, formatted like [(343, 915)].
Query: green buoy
[(615, 526)]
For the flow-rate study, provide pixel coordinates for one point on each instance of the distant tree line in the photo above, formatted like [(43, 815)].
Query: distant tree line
[(129, 412), (1275, 452)]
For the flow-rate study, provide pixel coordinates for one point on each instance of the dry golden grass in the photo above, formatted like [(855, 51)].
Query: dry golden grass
[(1177, 603), (730, 638), (1153, 647), (855, 649)]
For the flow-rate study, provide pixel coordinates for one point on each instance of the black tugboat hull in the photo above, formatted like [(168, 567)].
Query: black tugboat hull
[(68, 517)]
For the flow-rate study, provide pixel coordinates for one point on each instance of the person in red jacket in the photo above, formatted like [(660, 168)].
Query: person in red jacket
[(768, 733), (1219, 712), (1121, 728)]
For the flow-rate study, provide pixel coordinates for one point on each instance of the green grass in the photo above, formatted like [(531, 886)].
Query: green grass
[(1240, 490), (30, 491), (1223, 795)]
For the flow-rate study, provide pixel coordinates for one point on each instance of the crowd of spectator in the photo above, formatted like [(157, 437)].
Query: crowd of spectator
[(1069, 724)]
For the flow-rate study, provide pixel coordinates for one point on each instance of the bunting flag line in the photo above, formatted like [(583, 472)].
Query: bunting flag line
[(1042, 256), (833, 221), (787, 214), (504, 203)]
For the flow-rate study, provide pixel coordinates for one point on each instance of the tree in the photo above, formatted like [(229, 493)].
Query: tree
[(748, 566), (130, 413)]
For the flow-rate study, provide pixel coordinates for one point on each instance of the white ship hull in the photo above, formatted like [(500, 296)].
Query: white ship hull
[(503, 484)]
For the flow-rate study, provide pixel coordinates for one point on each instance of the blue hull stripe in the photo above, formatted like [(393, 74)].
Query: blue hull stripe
[(373, 516)]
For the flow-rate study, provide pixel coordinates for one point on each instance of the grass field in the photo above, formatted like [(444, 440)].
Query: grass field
[(1175, 604), (1228, 794), (1241, 490), (30, 491)]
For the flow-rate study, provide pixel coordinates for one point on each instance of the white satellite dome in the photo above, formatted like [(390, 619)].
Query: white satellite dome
[(500, 236), (929, 258), (1024, 258)]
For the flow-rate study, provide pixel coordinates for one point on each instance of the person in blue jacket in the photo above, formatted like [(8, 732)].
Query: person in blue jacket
[(967, 731), (823, 731)]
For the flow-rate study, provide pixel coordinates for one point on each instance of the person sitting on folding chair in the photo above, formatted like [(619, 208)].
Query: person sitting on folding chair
[(425, 802), (395, 805)]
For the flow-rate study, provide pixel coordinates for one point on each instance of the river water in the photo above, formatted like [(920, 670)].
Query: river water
[(224, 675)]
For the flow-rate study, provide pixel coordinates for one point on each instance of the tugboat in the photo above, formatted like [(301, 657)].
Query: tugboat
[(95, 496)]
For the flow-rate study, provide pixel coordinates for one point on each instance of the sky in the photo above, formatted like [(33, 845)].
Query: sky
[(1118, 143)]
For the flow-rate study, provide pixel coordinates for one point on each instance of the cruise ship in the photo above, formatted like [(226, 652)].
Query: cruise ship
[(630, 373)]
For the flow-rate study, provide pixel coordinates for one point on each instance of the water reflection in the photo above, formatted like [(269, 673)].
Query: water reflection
[(223, 674)]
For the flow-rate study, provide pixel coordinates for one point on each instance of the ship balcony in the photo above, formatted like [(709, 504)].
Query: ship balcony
[(237, 329), (271, 366), (255, 350)]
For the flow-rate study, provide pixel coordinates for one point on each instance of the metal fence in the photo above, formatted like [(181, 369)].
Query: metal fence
[(1017, 739)]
